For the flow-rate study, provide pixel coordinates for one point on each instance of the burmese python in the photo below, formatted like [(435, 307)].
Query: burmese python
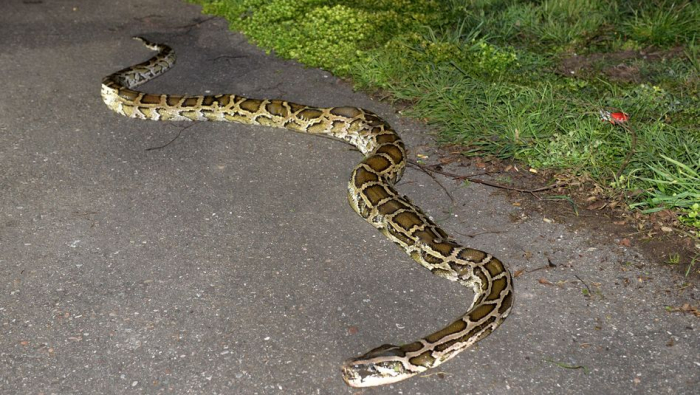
[(371, 194)]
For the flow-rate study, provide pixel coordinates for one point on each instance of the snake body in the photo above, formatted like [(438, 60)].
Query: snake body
[(371, 194)]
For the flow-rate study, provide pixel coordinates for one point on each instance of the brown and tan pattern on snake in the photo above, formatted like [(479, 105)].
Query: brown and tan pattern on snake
[(371, 194)]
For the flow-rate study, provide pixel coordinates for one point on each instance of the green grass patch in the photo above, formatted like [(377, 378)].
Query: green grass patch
[(522, 80)]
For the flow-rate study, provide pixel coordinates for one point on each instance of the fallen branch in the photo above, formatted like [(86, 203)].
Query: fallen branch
[(431, 169), (171, 141), (586, 285), (452, 199)]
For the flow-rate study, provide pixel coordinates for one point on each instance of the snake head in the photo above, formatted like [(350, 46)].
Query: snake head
[(382, 365)]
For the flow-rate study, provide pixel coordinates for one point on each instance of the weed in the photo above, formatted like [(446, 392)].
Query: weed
[(673, 259), (692, 217), (691, 265)]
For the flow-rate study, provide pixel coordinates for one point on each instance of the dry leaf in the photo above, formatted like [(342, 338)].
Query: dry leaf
[(599, 205)]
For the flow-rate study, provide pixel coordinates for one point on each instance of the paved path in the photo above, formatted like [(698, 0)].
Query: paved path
[(229, 261)]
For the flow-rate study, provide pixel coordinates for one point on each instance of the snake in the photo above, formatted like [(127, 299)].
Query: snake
[(371, 193)]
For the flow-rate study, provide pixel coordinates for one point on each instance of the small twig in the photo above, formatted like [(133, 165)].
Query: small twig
[(452, 199), (539, 268), (484, 182), (171, 141), (459, 69), (432, 169), (549, 265), (584, 283), (487, 232)]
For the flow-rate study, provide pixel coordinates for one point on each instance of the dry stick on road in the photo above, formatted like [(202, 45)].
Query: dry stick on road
[(171, 141), (432, 169), (589, 294)]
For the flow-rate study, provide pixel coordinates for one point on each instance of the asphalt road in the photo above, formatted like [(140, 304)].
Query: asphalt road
[(229, 262)]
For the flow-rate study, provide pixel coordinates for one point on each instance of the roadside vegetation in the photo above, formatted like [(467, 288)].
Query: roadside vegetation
[(532, 81)]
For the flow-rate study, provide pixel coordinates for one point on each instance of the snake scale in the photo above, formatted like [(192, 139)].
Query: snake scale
[(371, 194)]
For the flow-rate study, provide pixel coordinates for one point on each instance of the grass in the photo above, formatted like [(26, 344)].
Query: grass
[(522, 80)]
